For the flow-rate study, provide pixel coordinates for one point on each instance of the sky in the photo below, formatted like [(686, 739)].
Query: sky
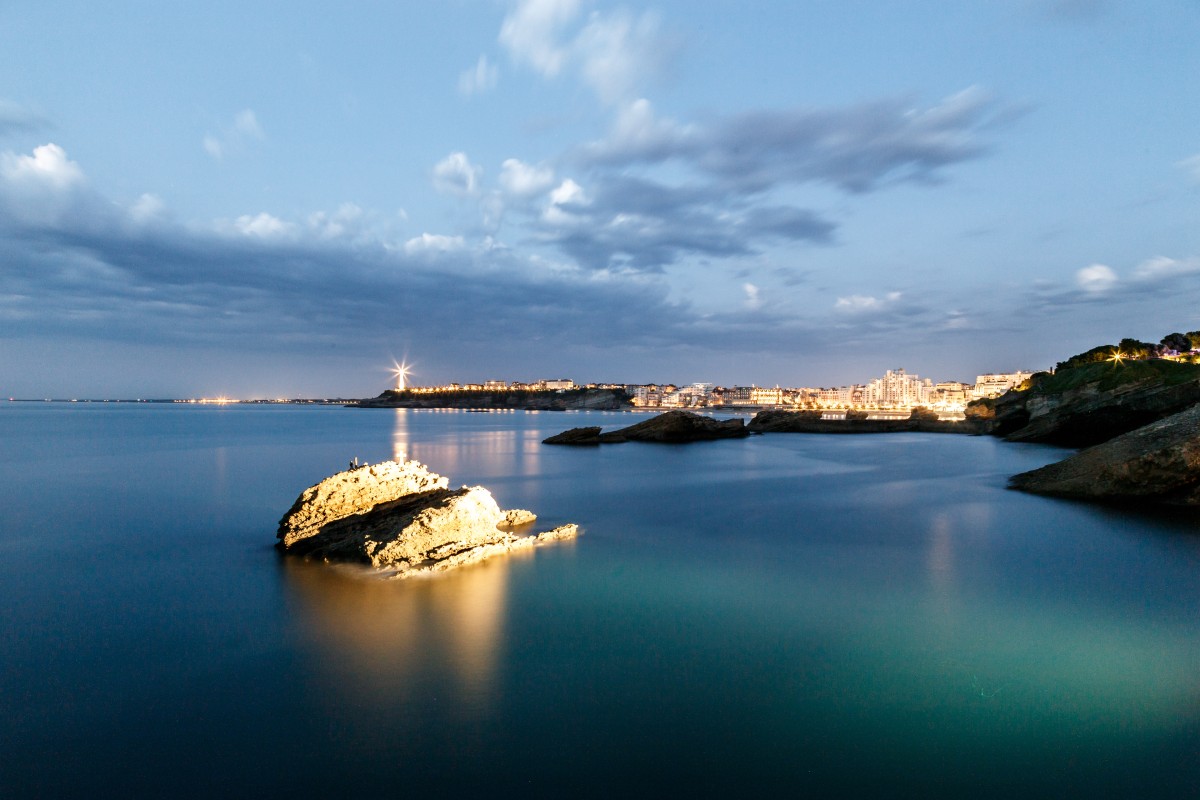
[(280, 199)]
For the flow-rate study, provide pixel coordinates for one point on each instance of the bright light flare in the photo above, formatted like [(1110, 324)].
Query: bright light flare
[(401, 371), (1117, 357)]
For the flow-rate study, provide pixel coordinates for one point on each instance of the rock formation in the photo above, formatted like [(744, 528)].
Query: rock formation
[(1083, 406), (1158, 462), (673, 427), (400, 517), (779, 421)]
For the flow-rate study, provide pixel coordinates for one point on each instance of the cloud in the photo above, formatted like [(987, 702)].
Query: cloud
[(753, 298), (629, 223), (612, 52), (1096, 279), (15, 118), (235, 137), (434, 243), (148, 208), (857, 148), (45, 187), (1161, 268), (1191, 166), (525, 180), (478, 79), (532, 31), (48, 167), (455, 174), (263, 226), (864, 304)]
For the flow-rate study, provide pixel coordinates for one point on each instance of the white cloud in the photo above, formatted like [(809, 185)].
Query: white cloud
[(613, 52), (523, 180), (859, 304), (48, 168), (455, 174), (148, 208), (617, 51), (480, 78), (433, 243), (568, 193), (339, 223), (1162, 268), (235, 137), (263, 226), (1096, 278), (531, 32), (753, 299)]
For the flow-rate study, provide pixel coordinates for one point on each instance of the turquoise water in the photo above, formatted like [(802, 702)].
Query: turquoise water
[(785, 614)]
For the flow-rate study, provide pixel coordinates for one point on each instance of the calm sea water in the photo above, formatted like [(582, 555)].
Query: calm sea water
[(792, 615)]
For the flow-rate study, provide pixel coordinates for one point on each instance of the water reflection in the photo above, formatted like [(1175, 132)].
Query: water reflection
[(398, 638)]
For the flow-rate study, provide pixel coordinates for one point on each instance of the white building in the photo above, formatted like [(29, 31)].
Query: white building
[(996, 384), (897, 389)]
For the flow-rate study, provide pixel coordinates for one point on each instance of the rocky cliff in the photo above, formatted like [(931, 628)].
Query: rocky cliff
[(1085, 405), (402, 518), (673, 427), (1158, 462)]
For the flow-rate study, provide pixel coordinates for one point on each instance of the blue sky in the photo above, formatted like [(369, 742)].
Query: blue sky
[(277, 199)]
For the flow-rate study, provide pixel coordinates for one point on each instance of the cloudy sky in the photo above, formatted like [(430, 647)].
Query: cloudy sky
[(277, 199)]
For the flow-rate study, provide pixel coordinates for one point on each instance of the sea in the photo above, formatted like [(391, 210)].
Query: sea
[(786, 615)]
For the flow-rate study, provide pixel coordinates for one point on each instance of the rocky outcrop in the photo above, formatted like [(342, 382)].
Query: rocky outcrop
[(1159, 462), (779, 421), (673, 427), (400, 517), (1084, 406)]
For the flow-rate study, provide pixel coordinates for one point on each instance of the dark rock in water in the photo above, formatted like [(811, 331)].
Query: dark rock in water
[(584, 436), (779, 421), (1159, 462), (401, 517), (673, 427)]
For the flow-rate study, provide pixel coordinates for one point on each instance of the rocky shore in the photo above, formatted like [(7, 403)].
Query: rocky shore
[(405, 521), (1158, 462), (673, 427), (504, 399), (774, 421)]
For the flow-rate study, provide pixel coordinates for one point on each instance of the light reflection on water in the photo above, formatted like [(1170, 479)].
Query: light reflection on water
[(377, 638)]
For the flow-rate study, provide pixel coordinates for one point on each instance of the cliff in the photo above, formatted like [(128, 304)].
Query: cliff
[(1158, 462), (402, 518), (564, 400), (673, 427), (1084, 405)]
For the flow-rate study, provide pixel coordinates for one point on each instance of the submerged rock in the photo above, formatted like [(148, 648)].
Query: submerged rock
[(401, 517), (672, 427), (1159, 462)]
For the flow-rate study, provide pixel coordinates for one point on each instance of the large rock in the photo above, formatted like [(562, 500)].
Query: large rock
[(672, 427), (1159, 462), (401, 517)]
